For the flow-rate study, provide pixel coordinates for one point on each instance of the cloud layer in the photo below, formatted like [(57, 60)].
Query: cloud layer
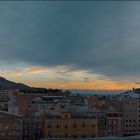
[(100, 37)]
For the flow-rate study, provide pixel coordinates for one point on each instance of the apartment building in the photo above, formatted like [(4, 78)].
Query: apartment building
[(69, 125), (131, 115), (114, 123), (10, 126), (4, 100)]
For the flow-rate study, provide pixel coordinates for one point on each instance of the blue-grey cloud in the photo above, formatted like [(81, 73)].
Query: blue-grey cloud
[(99, 36)]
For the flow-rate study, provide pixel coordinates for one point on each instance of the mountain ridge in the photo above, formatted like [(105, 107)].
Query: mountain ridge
[(7, 84)]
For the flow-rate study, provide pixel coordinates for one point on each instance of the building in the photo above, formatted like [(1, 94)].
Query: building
[(4, 100), (69, 125), (12, 107), (93, 100), (33, 121), (131, 115), (101, 115), (23, 101), (28, 128), (10, 126), (114, 123)]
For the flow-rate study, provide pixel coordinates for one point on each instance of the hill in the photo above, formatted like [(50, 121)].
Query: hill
[(6, 84)]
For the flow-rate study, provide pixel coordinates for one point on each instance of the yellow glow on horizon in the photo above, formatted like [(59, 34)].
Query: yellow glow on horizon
[(91, 85), (64, 78)]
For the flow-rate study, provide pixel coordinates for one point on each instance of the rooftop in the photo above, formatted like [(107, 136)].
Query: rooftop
[(137, 137)]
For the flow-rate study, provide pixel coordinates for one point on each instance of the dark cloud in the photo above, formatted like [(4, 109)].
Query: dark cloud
[(99, 36)]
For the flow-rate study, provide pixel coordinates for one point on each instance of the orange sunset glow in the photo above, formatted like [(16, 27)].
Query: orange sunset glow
[(63, 78)]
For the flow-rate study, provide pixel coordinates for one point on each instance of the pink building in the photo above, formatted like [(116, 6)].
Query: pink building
[(114, 123), (10, 126), (131, 115)]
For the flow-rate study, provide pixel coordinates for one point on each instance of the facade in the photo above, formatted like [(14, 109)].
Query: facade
[(93, 100), (67, 116), (53, 105), (28, 129), (12, 107), (23, 101), (10, 126), (114, 123), (33, 124), (4, 100), (70, 126), (131, 115), (102, 124), (36, 110)]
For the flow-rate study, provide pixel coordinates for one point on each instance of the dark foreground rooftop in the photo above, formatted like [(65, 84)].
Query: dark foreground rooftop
[(100, 138)]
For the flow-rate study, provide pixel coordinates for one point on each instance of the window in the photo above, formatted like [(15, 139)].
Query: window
[(52, 108), (84, 136), (110, 122), (49, 124), (74, 124), (57, 132), (75, 136), (58, 124), (93, 135), (93, 125), (49, 134), (114, 122), (83, 124)]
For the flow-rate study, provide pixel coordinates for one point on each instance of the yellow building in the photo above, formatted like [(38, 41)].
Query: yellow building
[(70, 126)]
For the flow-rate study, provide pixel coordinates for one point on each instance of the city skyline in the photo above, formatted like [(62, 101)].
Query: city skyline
[(71, 45)]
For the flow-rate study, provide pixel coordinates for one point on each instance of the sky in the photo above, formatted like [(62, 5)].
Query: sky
[(71, 44)]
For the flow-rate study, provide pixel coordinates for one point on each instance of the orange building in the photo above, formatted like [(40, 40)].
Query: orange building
[(23, 102), (70, 126)]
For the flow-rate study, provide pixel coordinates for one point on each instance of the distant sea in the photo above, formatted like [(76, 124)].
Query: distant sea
[(98, 92)]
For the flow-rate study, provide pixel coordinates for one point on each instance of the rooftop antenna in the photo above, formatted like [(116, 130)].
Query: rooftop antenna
[(137, 83)]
